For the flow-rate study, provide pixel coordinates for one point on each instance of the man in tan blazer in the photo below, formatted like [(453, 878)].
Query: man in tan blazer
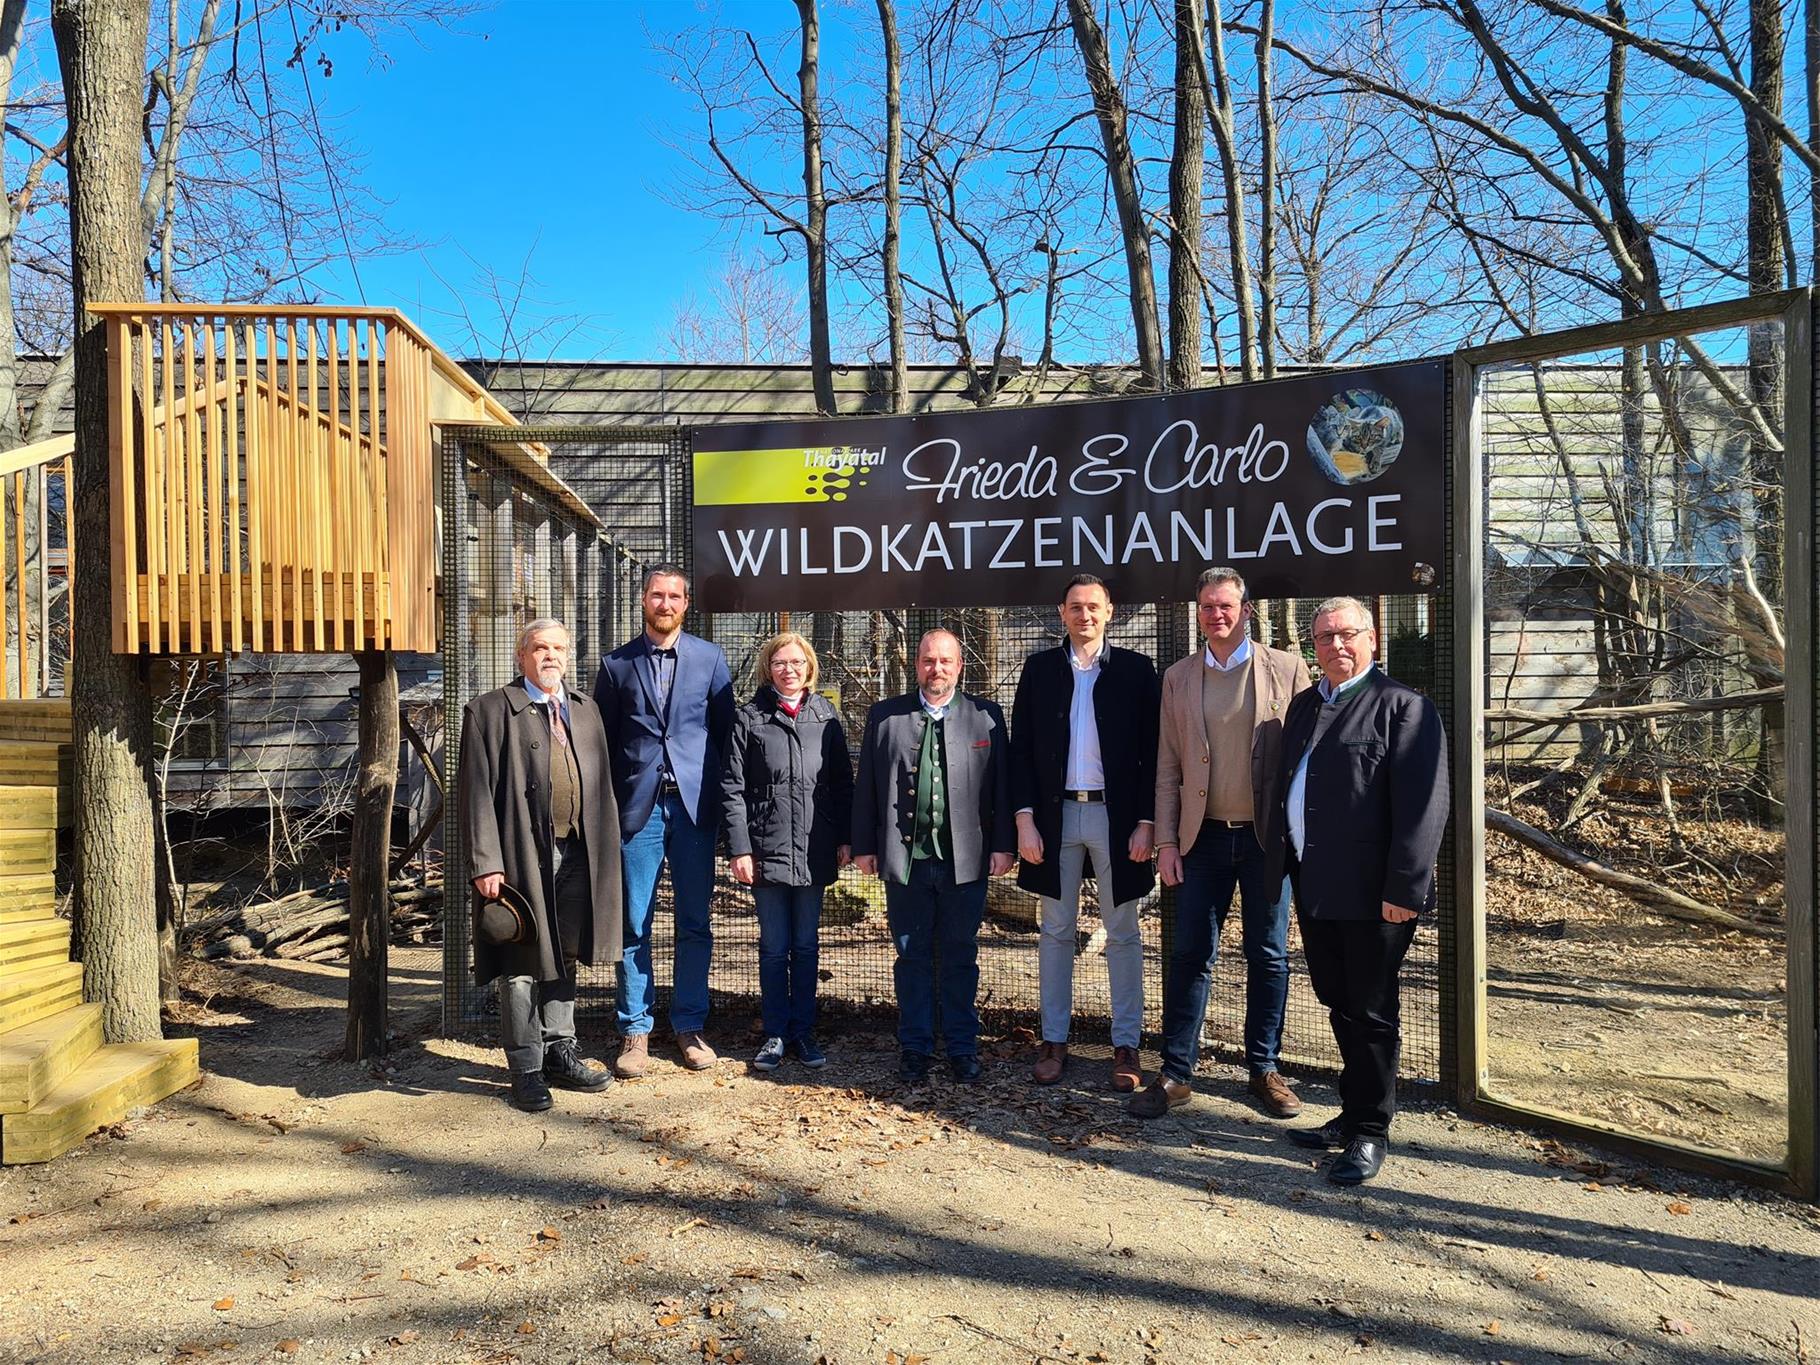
[(1219, 825)]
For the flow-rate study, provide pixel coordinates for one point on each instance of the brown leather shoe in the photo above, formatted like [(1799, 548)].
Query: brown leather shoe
[(696, 1053), (1051, 1059), (1273, 1092), (1127, 1070), (634, 1056), (1158, 1098)]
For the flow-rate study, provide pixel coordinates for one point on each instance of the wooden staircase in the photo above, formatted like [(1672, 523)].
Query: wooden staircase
[(58, 1081)]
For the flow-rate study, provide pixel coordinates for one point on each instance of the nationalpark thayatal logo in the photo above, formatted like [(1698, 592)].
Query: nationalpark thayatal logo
[(805, 474)]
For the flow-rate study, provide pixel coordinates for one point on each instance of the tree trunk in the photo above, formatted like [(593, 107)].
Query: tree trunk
[(899, 396), (1185, 198), (101, 51), (1225, 139), (1121, 170), (1267, 195), (815, 210), (1767, 350), (369, 863)]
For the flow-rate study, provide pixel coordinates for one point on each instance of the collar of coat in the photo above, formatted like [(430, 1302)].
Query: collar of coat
[(814, 705), (518, 699)]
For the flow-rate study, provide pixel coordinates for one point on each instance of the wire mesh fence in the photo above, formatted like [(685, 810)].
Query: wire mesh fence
[(508, 553)]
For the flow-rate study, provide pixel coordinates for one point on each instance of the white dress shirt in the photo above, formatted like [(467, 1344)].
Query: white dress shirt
[(560, 697), (1086, 770), (1240, 656), (1298, 784)]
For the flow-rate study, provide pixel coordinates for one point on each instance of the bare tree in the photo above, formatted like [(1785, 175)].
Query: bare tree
[(1185, 172), (1121, 171), (890, 264), (100, 45)]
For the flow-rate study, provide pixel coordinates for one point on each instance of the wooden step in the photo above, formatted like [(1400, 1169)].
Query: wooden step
[(27, 896), (25, 763), (28, 807), (43, 719), (28, 996), (29, 944), (37, 1057), (28, 850), (115, 1079)]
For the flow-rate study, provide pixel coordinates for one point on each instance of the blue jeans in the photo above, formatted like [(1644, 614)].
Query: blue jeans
[(933, 912), (669, 835), (789, 955), (1220, 860)]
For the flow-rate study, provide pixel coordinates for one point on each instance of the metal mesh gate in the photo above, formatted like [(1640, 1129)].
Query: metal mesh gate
[(498, 574)]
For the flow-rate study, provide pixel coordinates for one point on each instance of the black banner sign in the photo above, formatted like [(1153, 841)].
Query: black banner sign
[(1308, 487)]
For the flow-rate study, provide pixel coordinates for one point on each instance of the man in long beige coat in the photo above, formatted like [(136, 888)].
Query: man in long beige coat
[(1219, 826)]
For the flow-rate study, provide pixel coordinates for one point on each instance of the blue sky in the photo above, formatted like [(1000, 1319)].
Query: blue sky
[(532, 136)]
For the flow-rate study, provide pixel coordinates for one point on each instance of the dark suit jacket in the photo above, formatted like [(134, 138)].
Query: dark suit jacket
[(979, 791), (694, 734), (504, 794), (1375, 802), (1125, 711)]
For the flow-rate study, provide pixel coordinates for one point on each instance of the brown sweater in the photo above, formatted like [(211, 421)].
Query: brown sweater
[(1227, 707)]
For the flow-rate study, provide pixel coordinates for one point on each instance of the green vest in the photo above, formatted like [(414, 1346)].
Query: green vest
[(931, 839)]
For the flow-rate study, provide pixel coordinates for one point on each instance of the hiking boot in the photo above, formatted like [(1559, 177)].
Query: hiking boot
[(529, 1092), (696, 1053), (634, 1056), (565, 1068), (1127, 1070)]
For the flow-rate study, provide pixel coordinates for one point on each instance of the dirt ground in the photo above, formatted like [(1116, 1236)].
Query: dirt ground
[(1599, 1007), (292, 1206)]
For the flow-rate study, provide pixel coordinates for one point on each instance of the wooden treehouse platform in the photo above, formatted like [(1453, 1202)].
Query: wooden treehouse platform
[(58, 1081)]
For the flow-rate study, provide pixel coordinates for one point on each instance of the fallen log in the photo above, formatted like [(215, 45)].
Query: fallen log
[(1660, 898)]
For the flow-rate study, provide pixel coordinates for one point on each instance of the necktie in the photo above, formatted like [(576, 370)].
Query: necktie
[(559, 733)]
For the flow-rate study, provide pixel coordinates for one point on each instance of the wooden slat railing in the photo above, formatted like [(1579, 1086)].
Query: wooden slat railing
[(34, 502), (273, 473)]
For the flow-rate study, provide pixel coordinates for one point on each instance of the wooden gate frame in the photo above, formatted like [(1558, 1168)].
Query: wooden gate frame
[(1794, 309)]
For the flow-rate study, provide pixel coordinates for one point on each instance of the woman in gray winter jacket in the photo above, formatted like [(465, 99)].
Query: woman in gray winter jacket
[(787, 797)]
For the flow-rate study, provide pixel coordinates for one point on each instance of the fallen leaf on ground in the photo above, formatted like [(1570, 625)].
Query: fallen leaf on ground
[(349, 1148), (401, 1339), (290, 1346), (1680, 1206), (1493, 1327), (222, 1305), (550, 1234), (526, 1328), (1677, 1327)]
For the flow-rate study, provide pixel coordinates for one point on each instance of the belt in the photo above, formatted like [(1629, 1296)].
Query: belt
[(1098, 796), (1229, 824)]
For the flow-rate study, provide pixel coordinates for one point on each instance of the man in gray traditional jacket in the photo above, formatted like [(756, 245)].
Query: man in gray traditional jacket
[(538, 815)]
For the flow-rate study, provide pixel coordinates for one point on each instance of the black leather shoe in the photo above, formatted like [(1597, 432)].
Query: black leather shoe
[(564, 1068), (965, 1069), (529, 1092), (1329, 1137), (1361, 1160), (913, 1066)]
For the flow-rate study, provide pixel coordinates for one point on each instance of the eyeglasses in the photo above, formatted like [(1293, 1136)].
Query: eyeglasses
[(789, 665), (1330, 638)]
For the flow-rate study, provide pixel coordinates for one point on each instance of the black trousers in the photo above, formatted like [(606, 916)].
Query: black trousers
[(1353, 966)]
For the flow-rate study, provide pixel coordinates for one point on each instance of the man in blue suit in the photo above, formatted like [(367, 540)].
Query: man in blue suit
[(667, 699)]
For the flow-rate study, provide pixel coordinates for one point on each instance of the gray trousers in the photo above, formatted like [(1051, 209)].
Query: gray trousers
[(1085, 832), (534, 1014)]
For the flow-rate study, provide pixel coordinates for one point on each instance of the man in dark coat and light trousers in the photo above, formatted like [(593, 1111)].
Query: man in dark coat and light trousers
[(538, 814), (1365, 777), (1083, 779)]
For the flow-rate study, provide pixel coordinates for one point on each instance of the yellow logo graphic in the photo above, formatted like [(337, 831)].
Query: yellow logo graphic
[(726, 478)]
